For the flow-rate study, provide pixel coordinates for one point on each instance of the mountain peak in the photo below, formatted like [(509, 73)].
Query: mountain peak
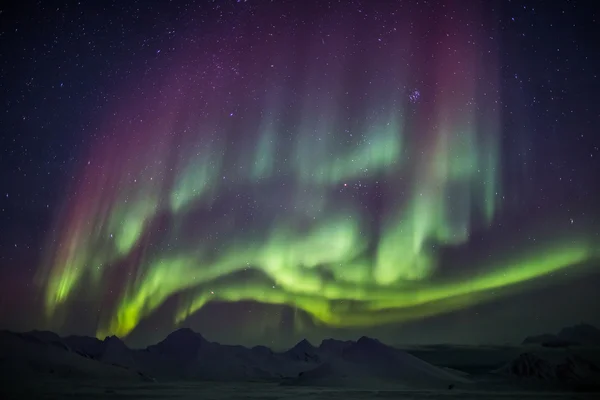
[(181, 341), (112, 338), (304, 345), (367, 341), (304, 351), (185, 333), (114, 343)]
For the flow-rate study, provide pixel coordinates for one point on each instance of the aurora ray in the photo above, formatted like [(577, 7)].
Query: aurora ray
[(338, 183)]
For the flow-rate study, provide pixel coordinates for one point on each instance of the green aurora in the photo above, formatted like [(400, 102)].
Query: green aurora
[(313, 204)]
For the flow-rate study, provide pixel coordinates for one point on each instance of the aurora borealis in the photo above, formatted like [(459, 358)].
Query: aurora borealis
[(358, 164)]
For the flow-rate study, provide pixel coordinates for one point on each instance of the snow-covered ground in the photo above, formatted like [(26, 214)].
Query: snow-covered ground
[(186, 365), (261, 391)]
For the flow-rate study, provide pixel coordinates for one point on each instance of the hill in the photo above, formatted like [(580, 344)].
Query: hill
[(576, 335)]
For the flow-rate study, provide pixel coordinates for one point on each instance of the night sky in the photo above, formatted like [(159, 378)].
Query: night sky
[(263, 171)]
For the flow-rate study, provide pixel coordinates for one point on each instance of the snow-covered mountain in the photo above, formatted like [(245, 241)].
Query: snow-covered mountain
[(365, 363), (368, 362), (569, 369), (529, 365), (33, 354), (581, 334), (185, 354), (304, 351)]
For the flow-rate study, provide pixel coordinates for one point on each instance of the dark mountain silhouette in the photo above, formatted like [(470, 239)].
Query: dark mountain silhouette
[(571, 370), (528, 365), (583, 334), (185, 354), (368, 362), (303, 351), (577, 335), (334, 347), (540, 339), (183, 343), (27, 356)]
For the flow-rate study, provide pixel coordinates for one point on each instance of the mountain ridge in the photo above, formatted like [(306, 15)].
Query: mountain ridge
[(575, 335), (187, 355)]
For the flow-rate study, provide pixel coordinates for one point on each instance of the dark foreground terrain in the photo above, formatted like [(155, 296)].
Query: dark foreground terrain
[(262, 391), (42, 365)]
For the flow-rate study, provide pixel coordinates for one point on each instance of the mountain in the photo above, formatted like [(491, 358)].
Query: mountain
[(183, 343), (111, 350), (262, 351), (86, 346), (368, 362), (582, 334), (570, 370), (528, 365), (31, 355), (541, 339), (364, 363), (334, 347), (577, 369), (185, 354), (44, 336), (303, 351)]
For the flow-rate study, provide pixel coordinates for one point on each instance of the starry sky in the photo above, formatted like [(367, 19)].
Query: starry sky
[(264, 171)]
